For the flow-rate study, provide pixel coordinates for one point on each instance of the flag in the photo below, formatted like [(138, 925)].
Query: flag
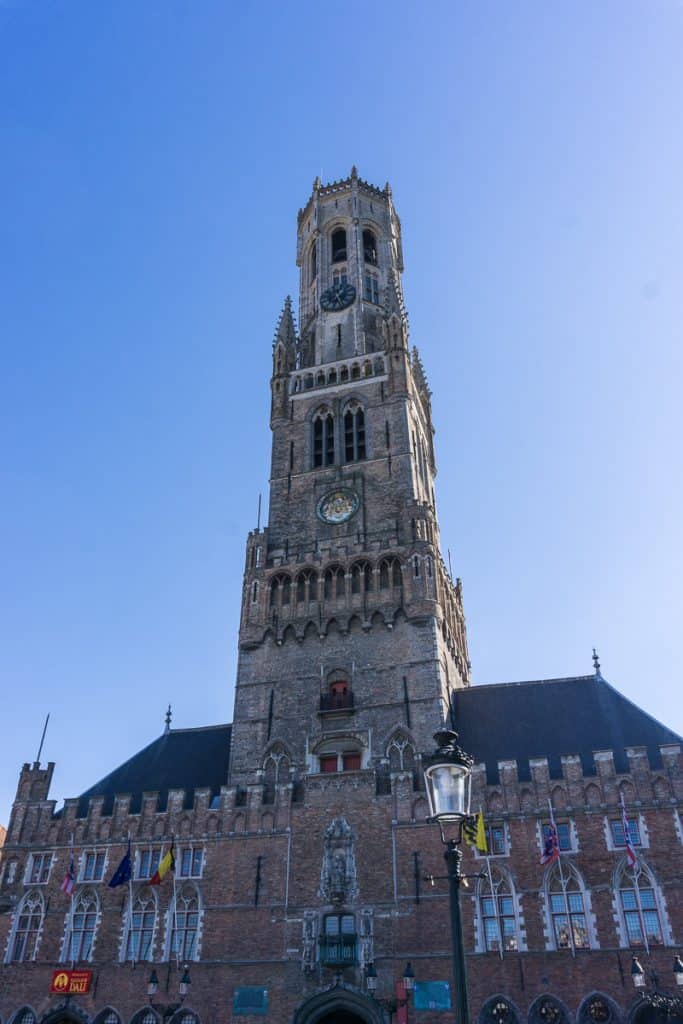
[(167, 864), (67, 885), (630, 848), (475, 833), (123, 872), (551, 847)]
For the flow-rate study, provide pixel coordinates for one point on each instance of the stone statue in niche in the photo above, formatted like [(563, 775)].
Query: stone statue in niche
[(338, 880), (309, 936), (367, 954)]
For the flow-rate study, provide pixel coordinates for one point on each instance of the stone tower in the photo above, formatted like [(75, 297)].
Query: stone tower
[(352, 630)]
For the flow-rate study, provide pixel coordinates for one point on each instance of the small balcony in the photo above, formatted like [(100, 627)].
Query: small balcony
[(338, 950), (337, 703)]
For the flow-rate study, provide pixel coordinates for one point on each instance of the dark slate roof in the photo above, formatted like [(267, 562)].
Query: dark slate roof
[(551, 717), (186, 759)]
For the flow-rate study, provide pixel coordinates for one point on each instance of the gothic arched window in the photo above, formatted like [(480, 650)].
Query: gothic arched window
[(638, 905), (390, 573), (145, 1016), (323, 438), (354, 433), (333, 585), (371, 288), (28, 922), (369, 247), (306, 587), (339, 246), (280, 590), (141, 926), (25, 1016), (499, 926), (184, 924), (401, 754), (107, 1016), (361, 578), (82, 925), (566, 904), (313, 263), (547, 1010), (498, 1010)]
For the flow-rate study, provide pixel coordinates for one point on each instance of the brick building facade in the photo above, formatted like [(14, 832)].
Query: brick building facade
[(302, 851)]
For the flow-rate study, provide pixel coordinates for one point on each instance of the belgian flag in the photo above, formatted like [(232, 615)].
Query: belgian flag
[(166, 864)]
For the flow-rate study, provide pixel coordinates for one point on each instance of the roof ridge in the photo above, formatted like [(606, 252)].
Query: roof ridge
[(200, 728), (529, 682)]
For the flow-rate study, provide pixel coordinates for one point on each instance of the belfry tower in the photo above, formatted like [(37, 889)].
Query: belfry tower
[(351, 627)]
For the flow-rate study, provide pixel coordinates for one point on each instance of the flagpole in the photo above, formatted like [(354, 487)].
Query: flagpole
[(175, 907), (562, 882), (494, 896), (71, 896), (130, 907), (635, 869)]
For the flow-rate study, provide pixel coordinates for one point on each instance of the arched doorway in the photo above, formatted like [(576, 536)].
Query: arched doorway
[(339, 1005)]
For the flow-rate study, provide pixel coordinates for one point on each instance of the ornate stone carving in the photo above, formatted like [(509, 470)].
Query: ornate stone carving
[(338, 880)]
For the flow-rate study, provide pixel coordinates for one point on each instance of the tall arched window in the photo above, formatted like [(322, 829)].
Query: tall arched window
[(390, 573), (275, 770), (141, 925), (361, 578), (306, 587), (334, 583), (339, 246), (280, 590), (27, 926), (566, 907), (369, 247), (499, 927), (638, 905), (107, 1016), (184, 924), (313, 263), (323, 438), (82, 925), (401, 754), (354, 433)]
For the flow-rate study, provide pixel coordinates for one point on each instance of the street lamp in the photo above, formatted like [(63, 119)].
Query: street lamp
[(666, 1005), (168, 1009), (448, 778), (392, 1003)]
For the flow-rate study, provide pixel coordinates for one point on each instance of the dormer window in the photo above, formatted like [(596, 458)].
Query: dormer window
[(339, 246), (369, 247)]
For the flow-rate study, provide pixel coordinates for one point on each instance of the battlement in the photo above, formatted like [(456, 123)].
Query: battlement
[(341, 186)]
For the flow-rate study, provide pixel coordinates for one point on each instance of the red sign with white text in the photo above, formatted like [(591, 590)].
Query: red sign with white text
[(69, 983)]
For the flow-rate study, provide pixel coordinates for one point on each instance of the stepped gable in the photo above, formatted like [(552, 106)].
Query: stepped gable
[(554, 717), (186, 759)]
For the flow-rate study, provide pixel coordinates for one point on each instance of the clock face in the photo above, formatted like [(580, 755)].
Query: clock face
[(338, 506), (338, 296)]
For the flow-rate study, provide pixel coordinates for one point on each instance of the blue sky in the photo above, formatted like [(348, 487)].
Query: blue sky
[(154, 158)]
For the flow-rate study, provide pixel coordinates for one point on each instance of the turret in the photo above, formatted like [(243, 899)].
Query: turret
[(284, 360)]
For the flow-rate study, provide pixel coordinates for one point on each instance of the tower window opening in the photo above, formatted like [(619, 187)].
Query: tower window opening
[(338, 245), (344, 374), (369, 247), (313, 263), (323, 439), (416, 566), (371, 288), (254, 591), (354, 434)]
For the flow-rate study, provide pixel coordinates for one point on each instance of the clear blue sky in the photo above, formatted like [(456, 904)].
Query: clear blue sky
[(154, 156)]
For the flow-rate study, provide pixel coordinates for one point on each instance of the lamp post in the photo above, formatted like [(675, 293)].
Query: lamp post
[(168, 1009), (665, 1005), (448, 777), (390, 1004)]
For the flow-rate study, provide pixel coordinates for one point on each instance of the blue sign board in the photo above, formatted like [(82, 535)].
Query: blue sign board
[(432, 995), (250, 1001)]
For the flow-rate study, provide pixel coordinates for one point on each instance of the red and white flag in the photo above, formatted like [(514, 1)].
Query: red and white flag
[(630, 848), (67, 885)]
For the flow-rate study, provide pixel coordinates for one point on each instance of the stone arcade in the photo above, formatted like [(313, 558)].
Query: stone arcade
[(300, 835)]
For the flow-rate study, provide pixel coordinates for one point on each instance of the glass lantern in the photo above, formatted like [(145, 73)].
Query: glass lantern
[(448, 778), (637, 973), (678, 970)]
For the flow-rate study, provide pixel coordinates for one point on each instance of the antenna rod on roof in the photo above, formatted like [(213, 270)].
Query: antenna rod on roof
[(42, 740)]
